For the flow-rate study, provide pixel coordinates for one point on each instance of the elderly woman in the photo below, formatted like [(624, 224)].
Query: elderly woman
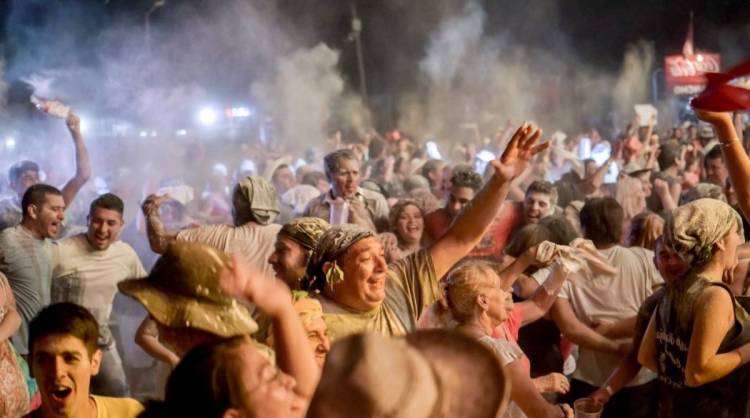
[(407, 226), (359, 291), (698, 338), (479, 303)]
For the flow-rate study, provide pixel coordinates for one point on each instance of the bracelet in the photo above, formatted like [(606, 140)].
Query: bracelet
[(609, 390), (728, 144)]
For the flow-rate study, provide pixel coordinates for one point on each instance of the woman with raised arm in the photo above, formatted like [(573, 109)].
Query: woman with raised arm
[(698, 340)]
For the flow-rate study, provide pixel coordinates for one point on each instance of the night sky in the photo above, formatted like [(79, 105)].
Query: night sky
[(396, 31)]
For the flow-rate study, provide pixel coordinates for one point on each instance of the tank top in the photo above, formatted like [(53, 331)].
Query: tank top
[(728, 397)]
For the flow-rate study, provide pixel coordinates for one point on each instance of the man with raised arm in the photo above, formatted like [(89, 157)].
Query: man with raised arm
[(360, 292), (25, 174)]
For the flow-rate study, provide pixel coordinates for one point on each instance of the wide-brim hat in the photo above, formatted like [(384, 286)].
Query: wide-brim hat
[(182, 291), (428, 374), (634, 169)]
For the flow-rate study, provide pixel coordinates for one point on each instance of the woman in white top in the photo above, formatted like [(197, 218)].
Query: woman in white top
[(479, 304)]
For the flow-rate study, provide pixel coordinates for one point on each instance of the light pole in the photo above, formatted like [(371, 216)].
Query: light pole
[(355, 36), (157, 4)]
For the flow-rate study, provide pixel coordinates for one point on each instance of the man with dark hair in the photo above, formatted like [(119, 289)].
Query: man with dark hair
[(296, 240), (86, 271), (715, 167), (540, 199), (464, 184), (63, 356), (601, 221), (25, 174), (365, 207), (598, 298), (26, 253)]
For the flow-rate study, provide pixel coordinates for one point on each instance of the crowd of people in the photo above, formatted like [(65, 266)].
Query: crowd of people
[(374, 279)]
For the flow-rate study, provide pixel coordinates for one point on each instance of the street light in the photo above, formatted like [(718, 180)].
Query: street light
[(354, 36), (157, 4), (207, 116)]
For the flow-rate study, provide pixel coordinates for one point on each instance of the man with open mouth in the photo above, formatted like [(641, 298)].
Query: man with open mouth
[(86, 271), (26, 254), (64, 356)]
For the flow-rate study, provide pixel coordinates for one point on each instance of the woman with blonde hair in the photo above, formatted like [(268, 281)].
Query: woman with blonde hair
[(479, 304)]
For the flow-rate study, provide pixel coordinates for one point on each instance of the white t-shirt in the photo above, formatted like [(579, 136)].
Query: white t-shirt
[(89, 277), (507, 352), (609, 299), (255, 242)]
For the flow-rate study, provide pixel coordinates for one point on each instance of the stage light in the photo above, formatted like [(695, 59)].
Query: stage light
[(207, 116), (699, 58), (143, 134), (10, 143), (181, 132)]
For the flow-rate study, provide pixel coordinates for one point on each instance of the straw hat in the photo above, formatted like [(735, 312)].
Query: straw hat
[(429, 374), (183, 291)]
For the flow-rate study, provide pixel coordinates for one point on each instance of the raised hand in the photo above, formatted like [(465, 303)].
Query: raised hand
[(152, 203), (74, 125), (270, 295), (713, 118), (519, 152)]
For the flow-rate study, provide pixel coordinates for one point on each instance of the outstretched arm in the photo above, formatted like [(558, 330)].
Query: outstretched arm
[(471, 224), (735, 156), (83, 163)]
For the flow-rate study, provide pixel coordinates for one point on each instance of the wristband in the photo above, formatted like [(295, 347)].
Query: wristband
[(729, 143), (609, 390)]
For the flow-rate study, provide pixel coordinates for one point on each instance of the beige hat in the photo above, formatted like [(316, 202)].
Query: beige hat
[(183, 291), (429, 374)]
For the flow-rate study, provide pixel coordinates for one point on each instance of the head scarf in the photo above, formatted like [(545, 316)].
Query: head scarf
[(254, 199), (307, 308), (305, 231), (695, 228), (331, 245)]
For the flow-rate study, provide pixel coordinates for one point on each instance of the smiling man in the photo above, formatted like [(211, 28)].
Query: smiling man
[(343, 172), (360, 292), (86, 271), (64, 357), (295, 241), (26, 254)]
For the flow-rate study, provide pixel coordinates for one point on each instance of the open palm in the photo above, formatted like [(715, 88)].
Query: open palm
[(521, 148)]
